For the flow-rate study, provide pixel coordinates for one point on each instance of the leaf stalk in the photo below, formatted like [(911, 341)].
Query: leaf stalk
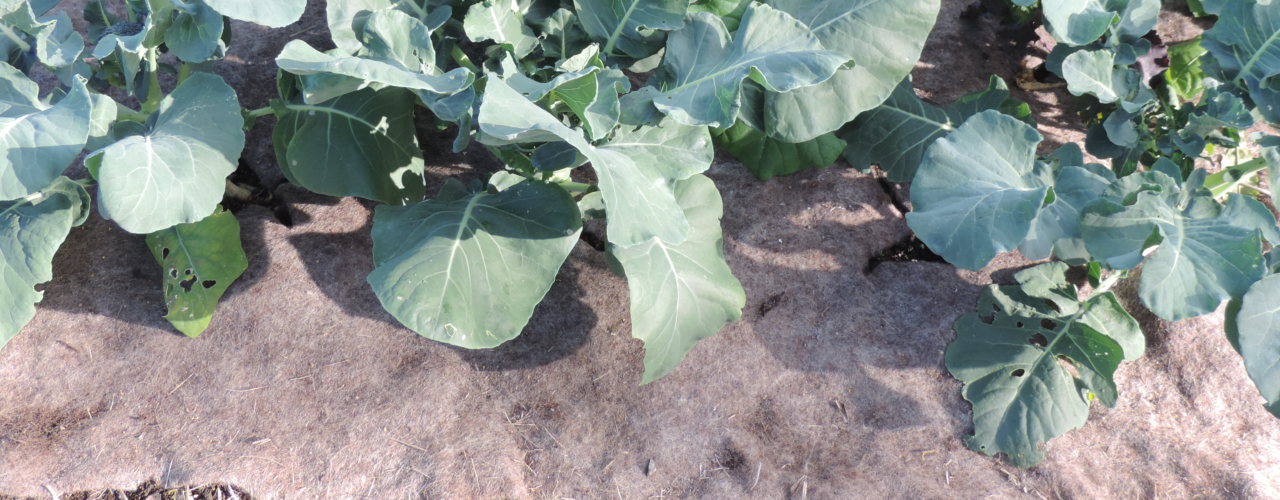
[(153, 87), (14, 37), (258, 113), (463, 60)]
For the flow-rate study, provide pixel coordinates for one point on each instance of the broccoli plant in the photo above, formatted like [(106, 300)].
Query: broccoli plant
[(1035, 355), (159, 171), (549, 87)]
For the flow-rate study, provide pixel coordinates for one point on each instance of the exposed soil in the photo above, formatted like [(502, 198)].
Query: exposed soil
[(831, 386)]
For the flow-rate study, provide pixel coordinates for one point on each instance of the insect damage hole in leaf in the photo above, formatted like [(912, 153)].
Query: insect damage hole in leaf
[(1039, 398), (207, 250)]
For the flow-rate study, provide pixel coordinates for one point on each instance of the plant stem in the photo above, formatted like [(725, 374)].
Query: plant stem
[(13, 36), (1219, 184), (575, 187), (123, 113), (1110, 281), (235, 191), (1256, 188), (463, 60), (261, 112), (422, 12), (183, 73), (153, 88)]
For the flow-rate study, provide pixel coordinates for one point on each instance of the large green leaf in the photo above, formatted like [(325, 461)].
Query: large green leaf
[(58, 45), (1137, 18), (634, 27), (359, 72), (1095, 72), (884, 39), (684, 293), (105, 112), (1258, 326), (1207, 253), (562, 35), (270, 13), (37, 141), (979, 190), (196, 33), (468, 267), (347, 18), (40, 7), (31, 230), (1010, 356), (896, 134), (1056, 231), (1245, 41), (590, 97), (502, 22), (199, 261), (1077, 22), (766, 157), (175, 172), (637, 168), (400, 39), (361, 144), (1185, 76), (706, 69)]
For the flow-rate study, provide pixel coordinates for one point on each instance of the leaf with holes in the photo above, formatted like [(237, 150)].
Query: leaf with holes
[(468, 267), (360, 144), (31, 230), (199, 260), (1034, 356), (176, 171), (684, 293)]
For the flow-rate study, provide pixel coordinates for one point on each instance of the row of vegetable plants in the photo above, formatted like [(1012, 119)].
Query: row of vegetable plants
[(547, 86), (1035, 355), (550, 87)]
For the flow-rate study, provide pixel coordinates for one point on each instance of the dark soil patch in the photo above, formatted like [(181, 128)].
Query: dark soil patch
[(907, 250), (151, 490)]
